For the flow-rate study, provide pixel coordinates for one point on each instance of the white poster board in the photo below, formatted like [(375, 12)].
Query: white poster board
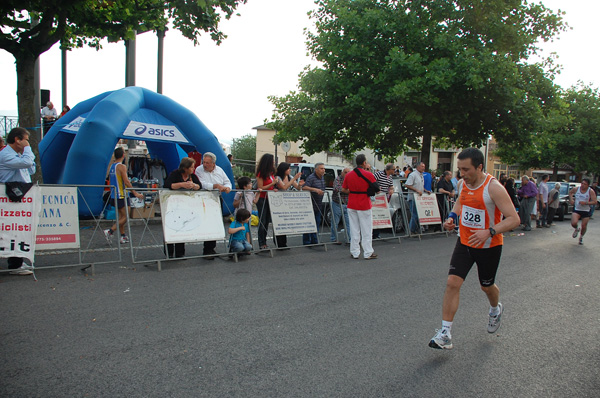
[(292, 213), (58, 226), (427, 209), (381, 212), (18, 223), (191, 216)]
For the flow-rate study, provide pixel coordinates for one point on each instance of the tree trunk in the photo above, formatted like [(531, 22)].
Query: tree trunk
[(555, 172), (426, 150), (27, 106)]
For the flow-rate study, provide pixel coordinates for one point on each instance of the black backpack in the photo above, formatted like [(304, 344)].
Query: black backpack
[(373, 185)]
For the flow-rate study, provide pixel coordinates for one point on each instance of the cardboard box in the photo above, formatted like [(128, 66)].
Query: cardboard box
[(147, 211)]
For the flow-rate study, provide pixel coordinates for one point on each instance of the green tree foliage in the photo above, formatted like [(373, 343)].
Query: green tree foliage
[(582, 138), (571, 135), (30, 28), (394, 73), (243, 150)]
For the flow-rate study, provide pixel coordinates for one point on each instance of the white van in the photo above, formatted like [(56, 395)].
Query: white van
[(331, 172)]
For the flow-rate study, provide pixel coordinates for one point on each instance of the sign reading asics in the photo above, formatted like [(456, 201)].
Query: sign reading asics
[(142, 131)]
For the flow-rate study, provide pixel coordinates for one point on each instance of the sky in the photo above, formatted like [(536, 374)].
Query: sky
[(227, 86)]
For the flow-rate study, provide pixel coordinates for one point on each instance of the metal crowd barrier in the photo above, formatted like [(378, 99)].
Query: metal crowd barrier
[(444, 208), (146, 238)]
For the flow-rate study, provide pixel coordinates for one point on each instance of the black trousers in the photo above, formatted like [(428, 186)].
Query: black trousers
[(176, 248), (15, 262), (209, 247)]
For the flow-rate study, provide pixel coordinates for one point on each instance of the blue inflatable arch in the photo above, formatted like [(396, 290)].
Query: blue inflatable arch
[(78, 148)]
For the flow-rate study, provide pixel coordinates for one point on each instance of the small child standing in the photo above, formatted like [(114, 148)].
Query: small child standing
[(240, 233), (244, 197)]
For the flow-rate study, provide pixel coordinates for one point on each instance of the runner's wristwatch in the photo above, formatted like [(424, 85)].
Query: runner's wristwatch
[(492, 231)]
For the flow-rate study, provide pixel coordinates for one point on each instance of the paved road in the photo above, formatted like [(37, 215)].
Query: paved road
[(308, 323)]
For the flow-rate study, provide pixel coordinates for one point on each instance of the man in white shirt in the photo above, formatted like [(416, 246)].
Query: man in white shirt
[(416, 184), (17, 164), (212, 177), (49, 115)]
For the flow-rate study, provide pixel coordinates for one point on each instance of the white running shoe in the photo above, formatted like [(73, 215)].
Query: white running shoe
[(108, 235), (441, 340), (575, 233), (124, 239), (22, 270), (494, 322), (581, 240)]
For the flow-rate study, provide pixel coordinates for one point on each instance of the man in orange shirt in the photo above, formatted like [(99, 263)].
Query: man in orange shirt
[(481, 203)]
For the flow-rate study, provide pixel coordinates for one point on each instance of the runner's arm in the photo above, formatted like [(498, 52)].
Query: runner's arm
[(503, 202), (122, 170), (571, 192), (593, 198)]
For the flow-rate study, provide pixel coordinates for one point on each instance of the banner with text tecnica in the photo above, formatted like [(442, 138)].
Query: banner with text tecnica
[(58, 226)]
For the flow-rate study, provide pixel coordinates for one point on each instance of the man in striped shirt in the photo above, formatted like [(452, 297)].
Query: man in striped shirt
[(384, 178)]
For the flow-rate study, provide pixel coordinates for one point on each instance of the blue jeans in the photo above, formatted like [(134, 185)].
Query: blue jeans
[(237, 246), (308, 239), (337, 209), (414, 217)]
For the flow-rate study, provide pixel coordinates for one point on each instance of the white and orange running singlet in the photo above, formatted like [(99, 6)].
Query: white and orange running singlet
[(476, 207)]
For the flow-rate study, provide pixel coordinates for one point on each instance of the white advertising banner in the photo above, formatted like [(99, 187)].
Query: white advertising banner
[(381, 212), (143, 131), (18, 223), (58, 226), (74, 125), (427, 209), (292, 213), (191, 216)]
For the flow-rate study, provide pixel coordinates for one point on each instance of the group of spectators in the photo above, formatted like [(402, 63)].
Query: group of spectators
[(351, 195), (540, 202), (349, 199), (533, 201)]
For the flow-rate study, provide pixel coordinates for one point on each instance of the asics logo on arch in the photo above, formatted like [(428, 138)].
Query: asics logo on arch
[(157, 132)]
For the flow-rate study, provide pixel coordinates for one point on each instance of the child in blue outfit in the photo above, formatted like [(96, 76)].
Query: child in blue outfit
[(240, 233)]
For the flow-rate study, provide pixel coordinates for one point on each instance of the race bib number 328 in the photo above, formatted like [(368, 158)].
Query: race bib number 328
[(472, 218)]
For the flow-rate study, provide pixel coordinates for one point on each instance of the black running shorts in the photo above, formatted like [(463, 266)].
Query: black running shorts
[(487, 261), (582, 214)]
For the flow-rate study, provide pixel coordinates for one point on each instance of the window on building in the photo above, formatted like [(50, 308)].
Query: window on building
[(444, 161)]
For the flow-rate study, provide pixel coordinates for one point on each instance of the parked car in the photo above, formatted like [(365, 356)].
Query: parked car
[(564, 207), (331, 172)]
